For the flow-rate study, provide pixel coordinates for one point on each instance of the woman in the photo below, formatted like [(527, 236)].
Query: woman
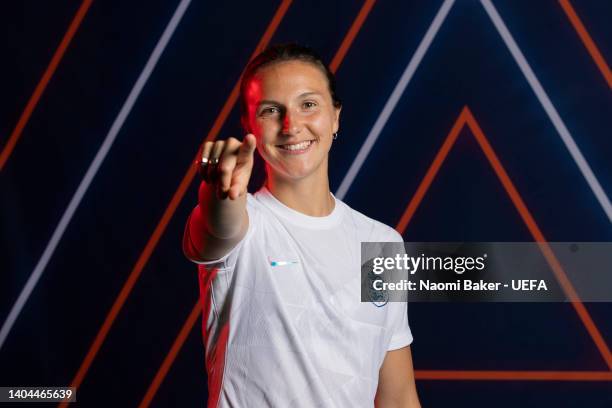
[(280, 269)]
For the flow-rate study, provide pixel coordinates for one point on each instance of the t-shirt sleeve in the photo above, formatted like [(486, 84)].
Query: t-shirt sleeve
[(401, 334), (228, 261)]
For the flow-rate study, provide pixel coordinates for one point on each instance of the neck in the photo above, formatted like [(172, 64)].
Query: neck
[(310, 195)]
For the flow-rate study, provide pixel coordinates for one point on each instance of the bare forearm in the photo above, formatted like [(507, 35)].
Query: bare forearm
[(408, 399), (220, 217), (396, 385)]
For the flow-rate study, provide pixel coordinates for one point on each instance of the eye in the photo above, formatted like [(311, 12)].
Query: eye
[(270, 110), (309, 104)]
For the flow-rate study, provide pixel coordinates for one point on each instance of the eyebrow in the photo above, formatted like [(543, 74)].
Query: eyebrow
[(271, 102)]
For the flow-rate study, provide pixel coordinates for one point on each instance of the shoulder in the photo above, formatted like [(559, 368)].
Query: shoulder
[(376, 231)]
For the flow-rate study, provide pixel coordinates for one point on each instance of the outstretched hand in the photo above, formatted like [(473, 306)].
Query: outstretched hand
[(227, 165)]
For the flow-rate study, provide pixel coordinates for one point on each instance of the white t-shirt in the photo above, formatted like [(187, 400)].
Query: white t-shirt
[(283, 321)]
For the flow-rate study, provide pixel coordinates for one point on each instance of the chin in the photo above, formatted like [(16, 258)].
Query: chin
[(296, 175), (296, 170)]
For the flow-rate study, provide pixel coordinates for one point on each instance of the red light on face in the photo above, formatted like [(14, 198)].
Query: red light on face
[(253, 95)]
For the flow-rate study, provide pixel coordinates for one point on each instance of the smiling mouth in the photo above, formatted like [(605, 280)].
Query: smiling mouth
[(296, 146)]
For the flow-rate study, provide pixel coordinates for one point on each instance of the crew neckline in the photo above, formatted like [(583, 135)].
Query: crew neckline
[(295, 217)]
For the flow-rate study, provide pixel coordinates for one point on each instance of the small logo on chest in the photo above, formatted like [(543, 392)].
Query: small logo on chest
[(281, 263)]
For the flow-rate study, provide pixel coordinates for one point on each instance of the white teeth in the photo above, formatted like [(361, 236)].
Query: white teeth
[(298, 146)]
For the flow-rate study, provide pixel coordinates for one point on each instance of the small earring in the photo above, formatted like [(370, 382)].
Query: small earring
[(335, 135)]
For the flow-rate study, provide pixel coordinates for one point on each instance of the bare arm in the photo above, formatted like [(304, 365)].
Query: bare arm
[(396, 386), (220, 219)]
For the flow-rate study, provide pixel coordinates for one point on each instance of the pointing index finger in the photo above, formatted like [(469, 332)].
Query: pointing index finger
[(248, 146)]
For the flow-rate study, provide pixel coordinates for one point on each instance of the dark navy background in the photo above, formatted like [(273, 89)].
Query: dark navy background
[(467, 64)]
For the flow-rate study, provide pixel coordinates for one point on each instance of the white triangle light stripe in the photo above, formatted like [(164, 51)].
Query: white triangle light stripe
[(531, 78), (554, 117), (396, 95), (355, 166), (92, 170)]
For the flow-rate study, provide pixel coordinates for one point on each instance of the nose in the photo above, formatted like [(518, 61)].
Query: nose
[(291, 123)]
